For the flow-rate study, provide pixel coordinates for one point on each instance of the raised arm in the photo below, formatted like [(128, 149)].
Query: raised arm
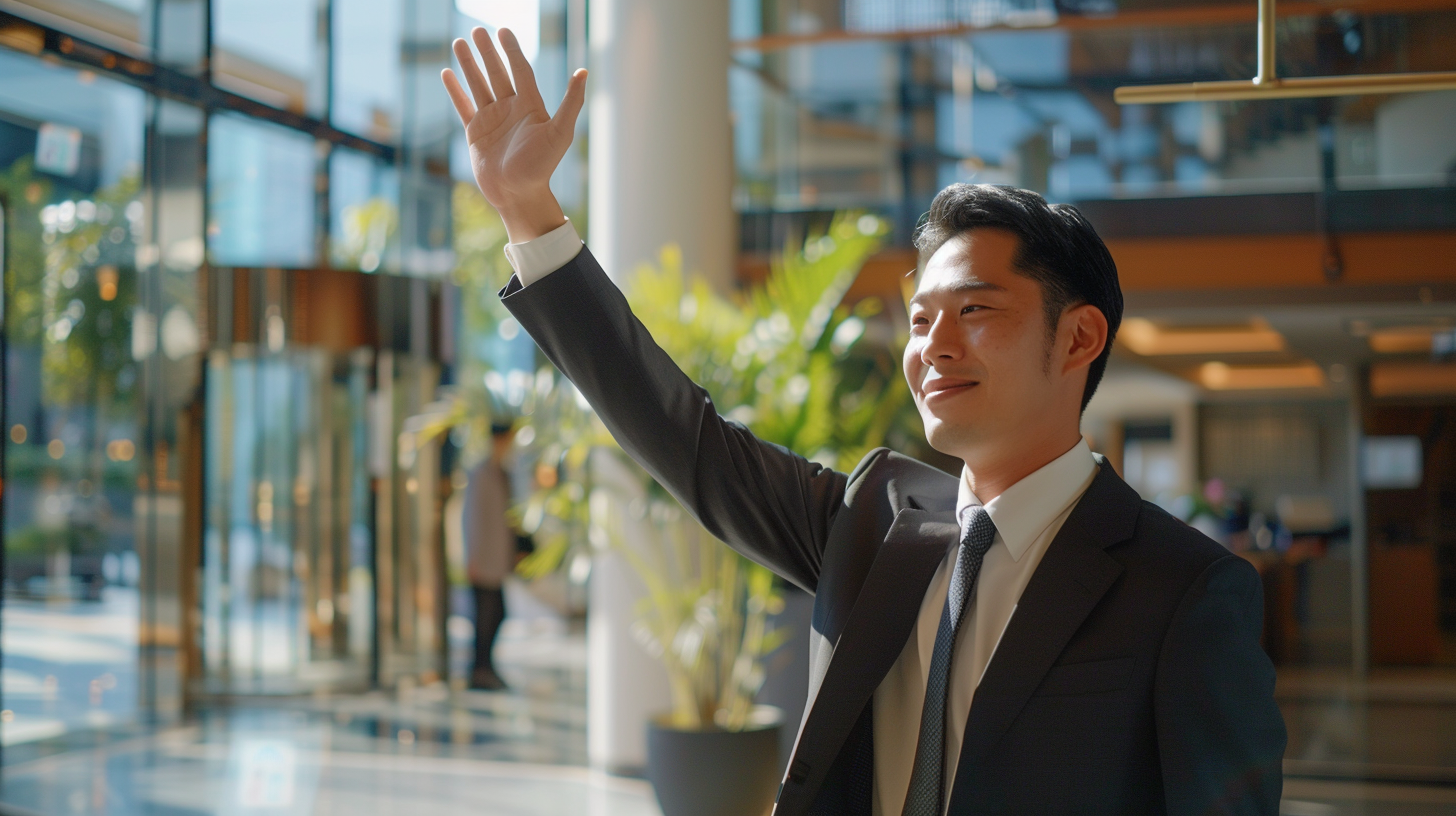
[(766, 502)]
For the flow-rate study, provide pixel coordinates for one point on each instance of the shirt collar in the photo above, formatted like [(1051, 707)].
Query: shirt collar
[(1026, 508)]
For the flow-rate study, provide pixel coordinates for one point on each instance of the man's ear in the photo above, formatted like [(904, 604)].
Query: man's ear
[(1085, 337)]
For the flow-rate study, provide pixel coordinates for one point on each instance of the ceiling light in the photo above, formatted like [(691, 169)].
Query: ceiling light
[(1412, 379), (1145, 337), (1223, 377), (1402, 340)]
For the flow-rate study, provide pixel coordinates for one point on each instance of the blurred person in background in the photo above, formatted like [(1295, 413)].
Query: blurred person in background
[(491, 550)]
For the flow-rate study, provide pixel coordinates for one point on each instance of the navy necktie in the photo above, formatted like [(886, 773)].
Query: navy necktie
[(927, 781)]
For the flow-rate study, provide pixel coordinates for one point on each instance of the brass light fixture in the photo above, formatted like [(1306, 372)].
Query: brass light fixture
[(1268, 85)]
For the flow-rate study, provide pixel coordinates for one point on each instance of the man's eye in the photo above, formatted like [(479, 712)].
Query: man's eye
[(969, 309)]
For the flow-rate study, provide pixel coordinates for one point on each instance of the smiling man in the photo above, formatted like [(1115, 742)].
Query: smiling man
[(1030, 638)]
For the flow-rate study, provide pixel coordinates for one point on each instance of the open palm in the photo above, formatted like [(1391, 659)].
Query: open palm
[(515, 145)]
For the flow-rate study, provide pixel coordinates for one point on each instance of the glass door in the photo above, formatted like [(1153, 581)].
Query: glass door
[(287, 567)]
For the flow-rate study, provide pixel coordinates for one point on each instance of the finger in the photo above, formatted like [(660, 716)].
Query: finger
[(520, 67), (500, 81), (458, 96), (565, 118), (479, 88)]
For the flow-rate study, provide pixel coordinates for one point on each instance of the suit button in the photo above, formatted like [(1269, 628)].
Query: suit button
[(798, 771)]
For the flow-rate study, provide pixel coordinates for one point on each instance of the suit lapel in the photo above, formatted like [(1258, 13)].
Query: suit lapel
[(874, 635), (1073, 576)]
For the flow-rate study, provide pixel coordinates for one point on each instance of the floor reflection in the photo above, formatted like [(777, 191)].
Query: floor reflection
[(69, 665), (1382, 747), (271, 772), (436, 749)]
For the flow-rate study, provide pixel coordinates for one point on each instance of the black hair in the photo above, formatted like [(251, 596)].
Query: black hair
[(499, 429), (1058, 248)]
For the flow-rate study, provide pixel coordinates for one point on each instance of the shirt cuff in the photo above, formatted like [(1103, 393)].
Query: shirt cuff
[(539, 257)]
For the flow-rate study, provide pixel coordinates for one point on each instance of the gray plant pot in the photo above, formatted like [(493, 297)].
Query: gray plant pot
[(714, 773)]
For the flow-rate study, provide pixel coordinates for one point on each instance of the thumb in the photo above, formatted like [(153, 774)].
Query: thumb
[(565, 118)]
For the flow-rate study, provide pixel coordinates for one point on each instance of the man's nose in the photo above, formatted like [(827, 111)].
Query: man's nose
[(942, 342)]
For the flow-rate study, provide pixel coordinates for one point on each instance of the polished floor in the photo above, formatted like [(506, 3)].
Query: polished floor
[(269, 771), (1384, 746), (430, 750)]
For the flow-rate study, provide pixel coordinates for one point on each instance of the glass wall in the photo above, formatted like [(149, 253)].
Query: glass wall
[(260, 194), (77, 336), (274, 51), (207, 361), (835, 107)]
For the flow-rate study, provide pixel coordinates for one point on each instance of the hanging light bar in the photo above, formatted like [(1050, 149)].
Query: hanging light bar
[(1268, 85)]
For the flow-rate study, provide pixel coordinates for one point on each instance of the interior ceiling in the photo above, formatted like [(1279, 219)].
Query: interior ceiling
[(1326, 334)]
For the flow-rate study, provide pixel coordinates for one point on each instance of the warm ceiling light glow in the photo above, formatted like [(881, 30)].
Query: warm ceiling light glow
[(120, 450), (1147, 338), (1224, 377), (1412, 379), (1403, 339), (106, 280)]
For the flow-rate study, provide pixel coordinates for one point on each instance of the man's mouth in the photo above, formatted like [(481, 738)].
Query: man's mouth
[(946, 386)]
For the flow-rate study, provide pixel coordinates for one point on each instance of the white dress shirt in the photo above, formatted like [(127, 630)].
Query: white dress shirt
[(537, 258), (1027, 516)]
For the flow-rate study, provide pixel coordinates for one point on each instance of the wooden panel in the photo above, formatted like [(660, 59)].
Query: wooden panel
[(1216, 263), (1400, 257), (1404, 627), (330, 308), (1412, 380), (1270, 261), (245, 327)]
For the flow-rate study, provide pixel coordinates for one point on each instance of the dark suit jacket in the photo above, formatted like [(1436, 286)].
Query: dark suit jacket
[(1129, 680)]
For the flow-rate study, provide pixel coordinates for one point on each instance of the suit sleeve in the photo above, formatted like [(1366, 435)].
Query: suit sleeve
[(766, 502), (1221, 737)]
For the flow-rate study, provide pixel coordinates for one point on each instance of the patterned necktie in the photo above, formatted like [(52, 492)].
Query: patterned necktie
[(927, 781)]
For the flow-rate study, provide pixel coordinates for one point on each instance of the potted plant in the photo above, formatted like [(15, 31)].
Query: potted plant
[(784, 360)]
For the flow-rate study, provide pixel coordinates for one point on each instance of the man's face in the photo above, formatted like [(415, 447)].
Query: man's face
[(978, 359)]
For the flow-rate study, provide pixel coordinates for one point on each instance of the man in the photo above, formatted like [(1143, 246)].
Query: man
[(1127, 674), (490, 552)]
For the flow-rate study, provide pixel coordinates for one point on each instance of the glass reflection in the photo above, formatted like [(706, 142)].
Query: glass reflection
[(367, 76), (287, 580), (272, 51), (260, 194), (874, 123), (70, 149), (364, 212)]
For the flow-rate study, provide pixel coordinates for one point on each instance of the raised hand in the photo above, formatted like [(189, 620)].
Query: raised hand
[(514, 144)]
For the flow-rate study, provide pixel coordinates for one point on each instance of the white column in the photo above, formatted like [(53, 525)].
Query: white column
[(661, 172), (625, 685), (660, 153)]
